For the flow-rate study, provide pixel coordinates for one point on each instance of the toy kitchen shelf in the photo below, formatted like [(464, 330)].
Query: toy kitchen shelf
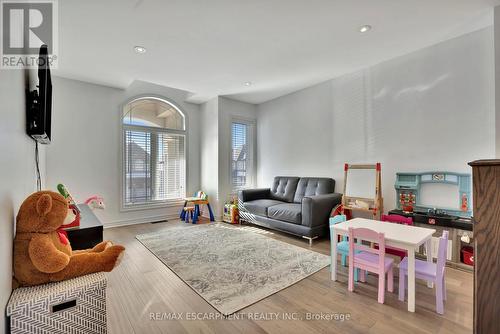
[(458, 227), (457, 221)]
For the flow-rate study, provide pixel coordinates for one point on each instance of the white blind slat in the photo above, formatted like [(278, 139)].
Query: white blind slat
[(239, 147), (154, 166)]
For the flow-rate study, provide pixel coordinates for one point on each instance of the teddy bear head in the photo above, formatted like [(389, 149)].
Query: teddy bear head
[(42, 212)]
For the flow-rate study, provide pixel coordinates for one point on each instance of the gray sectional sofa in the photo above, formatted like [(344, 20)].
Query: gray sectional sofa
[(296, 205)]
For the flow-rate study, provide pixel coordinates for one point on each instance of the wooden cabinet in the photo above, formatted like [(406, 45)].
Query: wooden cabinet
[(486, 204)]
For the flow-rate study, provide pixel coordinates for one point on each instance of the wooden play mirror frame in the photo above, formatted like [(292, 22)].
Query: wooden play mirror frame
[(376, 203)]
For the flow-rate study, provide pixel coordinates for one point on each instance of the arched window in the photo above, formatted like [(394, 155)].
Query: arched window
[(154, 152)]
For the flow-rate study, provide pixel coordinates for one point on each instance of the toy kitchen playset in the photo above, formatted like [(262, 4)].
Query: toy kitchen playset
[(456, 218)]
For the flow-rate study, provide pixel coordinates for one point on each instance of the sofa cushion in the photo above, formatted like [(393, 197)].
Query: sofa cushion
[(283, 188), (288, 212), (259, 206), (312, 186)]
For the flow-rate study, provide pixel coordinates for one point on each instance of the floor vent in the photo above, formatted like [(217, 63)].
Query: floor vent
[(160, 221)]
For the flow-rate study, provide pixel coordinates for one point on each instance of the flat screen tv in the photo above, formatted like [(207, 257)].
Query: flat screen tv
[(39, 102)]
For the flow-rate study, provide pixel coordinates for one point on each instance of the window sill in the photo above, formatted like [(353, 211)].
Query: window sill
[(235, 190), (151, 206)]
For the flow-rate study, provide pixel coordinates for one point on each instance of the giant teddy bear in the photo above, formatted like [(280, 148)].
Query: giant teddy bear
[(43, 254)]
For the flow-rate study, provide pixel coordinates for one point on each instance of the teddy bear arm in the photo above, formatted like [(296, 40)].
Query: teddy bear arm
[(100, 247), (90, 262), (45, 256)]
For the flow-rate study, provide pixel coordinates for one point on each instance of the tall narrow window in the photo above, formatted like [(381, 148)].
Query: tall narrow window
[(154, 164), (242, 151)]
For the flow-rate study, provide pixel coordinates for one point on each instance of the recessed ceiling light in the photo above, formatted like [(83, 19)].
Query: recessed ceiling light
[(248, 83), (139, 49), (365, 28)]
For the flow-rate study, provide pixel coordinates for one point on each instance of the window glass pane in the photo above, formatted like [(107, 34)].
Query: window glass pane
[(239, 163), (154, 159), (155, 167), (170, 167), (137, 167), (153, 113)]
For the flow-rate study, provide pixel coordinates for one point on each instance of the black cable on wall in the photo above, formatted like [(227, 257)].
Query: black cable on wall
[(37, 163)]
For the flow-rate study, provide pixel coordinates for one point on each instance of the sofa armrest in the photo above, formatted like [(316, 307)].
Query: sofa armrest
[(253, 194), (316, 209)]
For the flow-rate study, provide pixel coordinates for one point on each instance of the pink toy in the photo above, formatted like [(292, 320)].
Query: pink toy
[(96, 202), (397, 219), (428, 271), (370, 259)]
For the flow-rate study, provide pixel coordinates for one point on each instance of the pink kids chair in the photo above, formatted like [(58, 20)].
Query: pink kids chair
[(428, 271), (370, 259), (397, 219)]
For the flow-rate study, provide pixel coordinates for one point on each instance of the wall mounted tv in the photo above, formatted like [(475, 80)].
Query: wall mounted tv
[(39, 102)]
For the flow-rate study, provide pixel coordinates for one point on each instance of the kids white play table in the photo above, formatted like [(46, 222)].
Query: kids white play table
[(409, 238)]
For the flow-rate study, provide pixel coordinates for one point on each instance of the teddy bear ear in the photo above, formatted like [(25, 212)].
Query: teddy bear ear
[(44, 205)]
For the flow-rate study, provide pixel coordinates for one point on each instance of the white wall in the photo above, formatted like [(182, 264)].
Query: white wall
[(85, 153), (217, 115), (429, 110), (210, 152), (17, 171), (496, 38), (229, 110)]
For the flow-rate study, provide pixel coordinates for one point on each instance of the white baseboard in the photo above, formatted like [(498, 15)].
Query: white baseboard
[(207, 216), (147, 220), (135, 221)]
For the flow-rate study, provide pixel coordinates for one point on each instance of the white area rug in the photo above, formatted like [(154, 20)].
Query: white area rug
[(232, 267)]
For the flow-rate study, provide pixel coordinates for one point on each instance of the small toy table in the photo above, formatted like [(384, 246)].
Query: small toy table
[(89, 233), (406, 237), (196, 201)]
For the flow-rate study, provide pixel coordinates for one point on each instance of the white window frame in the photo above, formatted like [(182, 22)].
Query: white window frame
[(123, 127), (252, 150)]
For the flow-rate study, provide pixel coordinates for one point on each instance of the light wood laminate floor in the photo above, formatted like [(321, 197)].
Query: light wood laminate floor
[(142, 288)]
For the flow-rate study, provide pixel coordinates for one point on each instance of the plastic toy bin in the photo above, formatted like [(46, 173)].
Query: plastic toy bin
[(467, 255)]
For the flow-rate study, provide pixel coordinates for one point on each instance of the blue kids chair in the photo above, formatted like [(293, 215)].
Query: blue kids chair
[(342, 246)]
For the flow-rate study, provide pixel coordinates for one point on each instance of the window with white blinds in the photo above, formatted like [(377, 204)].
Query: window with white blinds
[(241, 154), (154, 164)]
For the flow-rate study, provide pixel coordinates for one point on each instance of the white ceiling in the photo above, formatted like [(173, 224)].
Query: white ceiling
[(212, 48)]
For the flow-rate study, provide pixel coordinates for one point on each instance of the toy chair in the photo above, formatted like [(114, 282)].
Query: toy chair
[(188, 211), (397, 219), (370, 259), (428, 271), (199, 199), (342, 246)]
